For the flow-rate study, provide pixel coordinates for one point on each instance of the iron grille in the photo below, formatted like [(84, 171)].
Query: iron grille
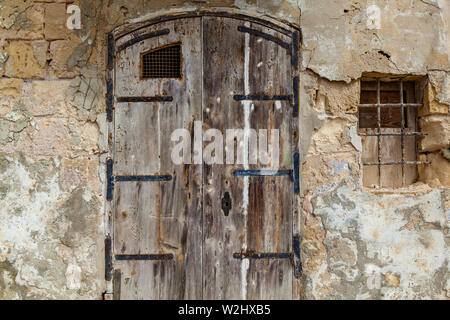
[(162, 63), (389, 109)]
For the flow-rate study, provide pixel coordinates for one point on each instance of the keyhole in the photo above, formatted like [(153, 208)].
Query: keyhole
[(226, 203)]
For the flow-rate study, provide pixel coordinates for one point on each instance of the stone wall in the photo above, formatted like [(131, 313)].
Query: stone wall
[(361, 243), (51, 114), (356, 243)]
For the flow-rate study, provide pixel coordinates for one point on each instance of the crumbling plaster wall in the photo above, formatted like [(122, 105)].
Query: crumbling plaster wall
[(372, 244), (356, 243)]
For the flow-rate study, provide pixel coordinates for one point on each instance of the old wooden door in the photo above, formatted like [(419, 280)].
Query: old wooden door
[(193, 231)]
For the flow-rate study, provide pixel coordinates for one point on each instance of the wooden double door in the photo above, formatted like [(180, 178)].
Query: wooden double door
[(201, 231)]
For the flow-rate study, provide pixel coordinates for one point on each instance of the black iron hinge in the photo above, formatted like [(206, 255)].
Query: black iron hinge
[(111, 179), (294, 47), (108, 258), (294, 256), (296, 259)]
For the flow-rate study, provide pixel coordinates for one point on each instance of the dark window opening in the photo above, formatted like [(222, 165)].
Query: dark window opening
[(390, 118), (387, 122), (389, 93), (162, 62)]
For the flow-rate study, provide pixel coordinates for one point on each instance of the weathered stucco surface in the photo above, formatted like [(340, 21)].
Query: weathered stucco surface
[(356, 243), (364, 246)]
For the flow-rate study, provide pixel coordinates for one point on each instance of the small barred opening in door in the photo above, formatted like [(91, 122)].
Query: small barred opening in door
[(162, 62)]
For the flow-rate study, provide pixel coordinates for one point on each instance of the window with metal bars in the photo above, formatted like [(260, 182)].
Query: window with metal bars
[(388, 125), (164, 62)]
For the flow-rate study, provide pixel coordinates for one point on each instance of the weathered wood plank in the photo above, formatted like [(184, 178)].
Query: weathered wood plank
[(269, 223), (159, 217), (144, 280), (269, 229), (223, 69), (137, 139), (136, 218), (181, 197), (261, 215)]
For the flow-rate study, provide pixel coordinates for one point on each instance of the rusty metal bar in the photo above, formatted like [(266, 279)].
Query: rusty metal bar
[(264, 35), (297, 258), (168, 256), (108, 259), (294, 56), (370, 134), (111, 48), (416, 127), (379, 131), (402, 113), (295, 96), (262, 255), (240, 97), (109, 179), (109, 96), (199, 13), (143, 178), (296, 173), (395, 162), (245, 173), (142, 37), (145, 99), (391, 105)]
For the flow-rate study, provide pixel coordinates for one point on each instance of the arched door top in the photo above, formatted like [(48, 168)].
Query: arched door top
[(287, 29)]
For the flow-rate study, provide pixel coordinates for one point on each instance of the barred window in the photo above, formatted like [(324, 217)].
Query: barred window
[(388, 125), (164, 62)]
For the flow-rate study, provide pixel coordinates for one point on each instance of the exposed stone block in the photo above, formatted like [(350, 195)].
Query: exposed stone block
[(77, 171), (83, 138), (333, 136), (338, 98), (430, 104), (55, 21), (27, 25), (73, 173), (10, 93), (322, 172), (27, 59), (10, 10), (60, 52), (13, 121), (86, 94), (50, 138), (3, 58), (440, 80), (437, 173), (391, 279), (437, 128), (4, 131), (47, 97), (11, 87)]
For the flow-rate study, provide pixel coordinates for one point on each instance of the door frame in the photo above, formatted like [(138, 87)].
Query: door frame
[(287, 29)]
